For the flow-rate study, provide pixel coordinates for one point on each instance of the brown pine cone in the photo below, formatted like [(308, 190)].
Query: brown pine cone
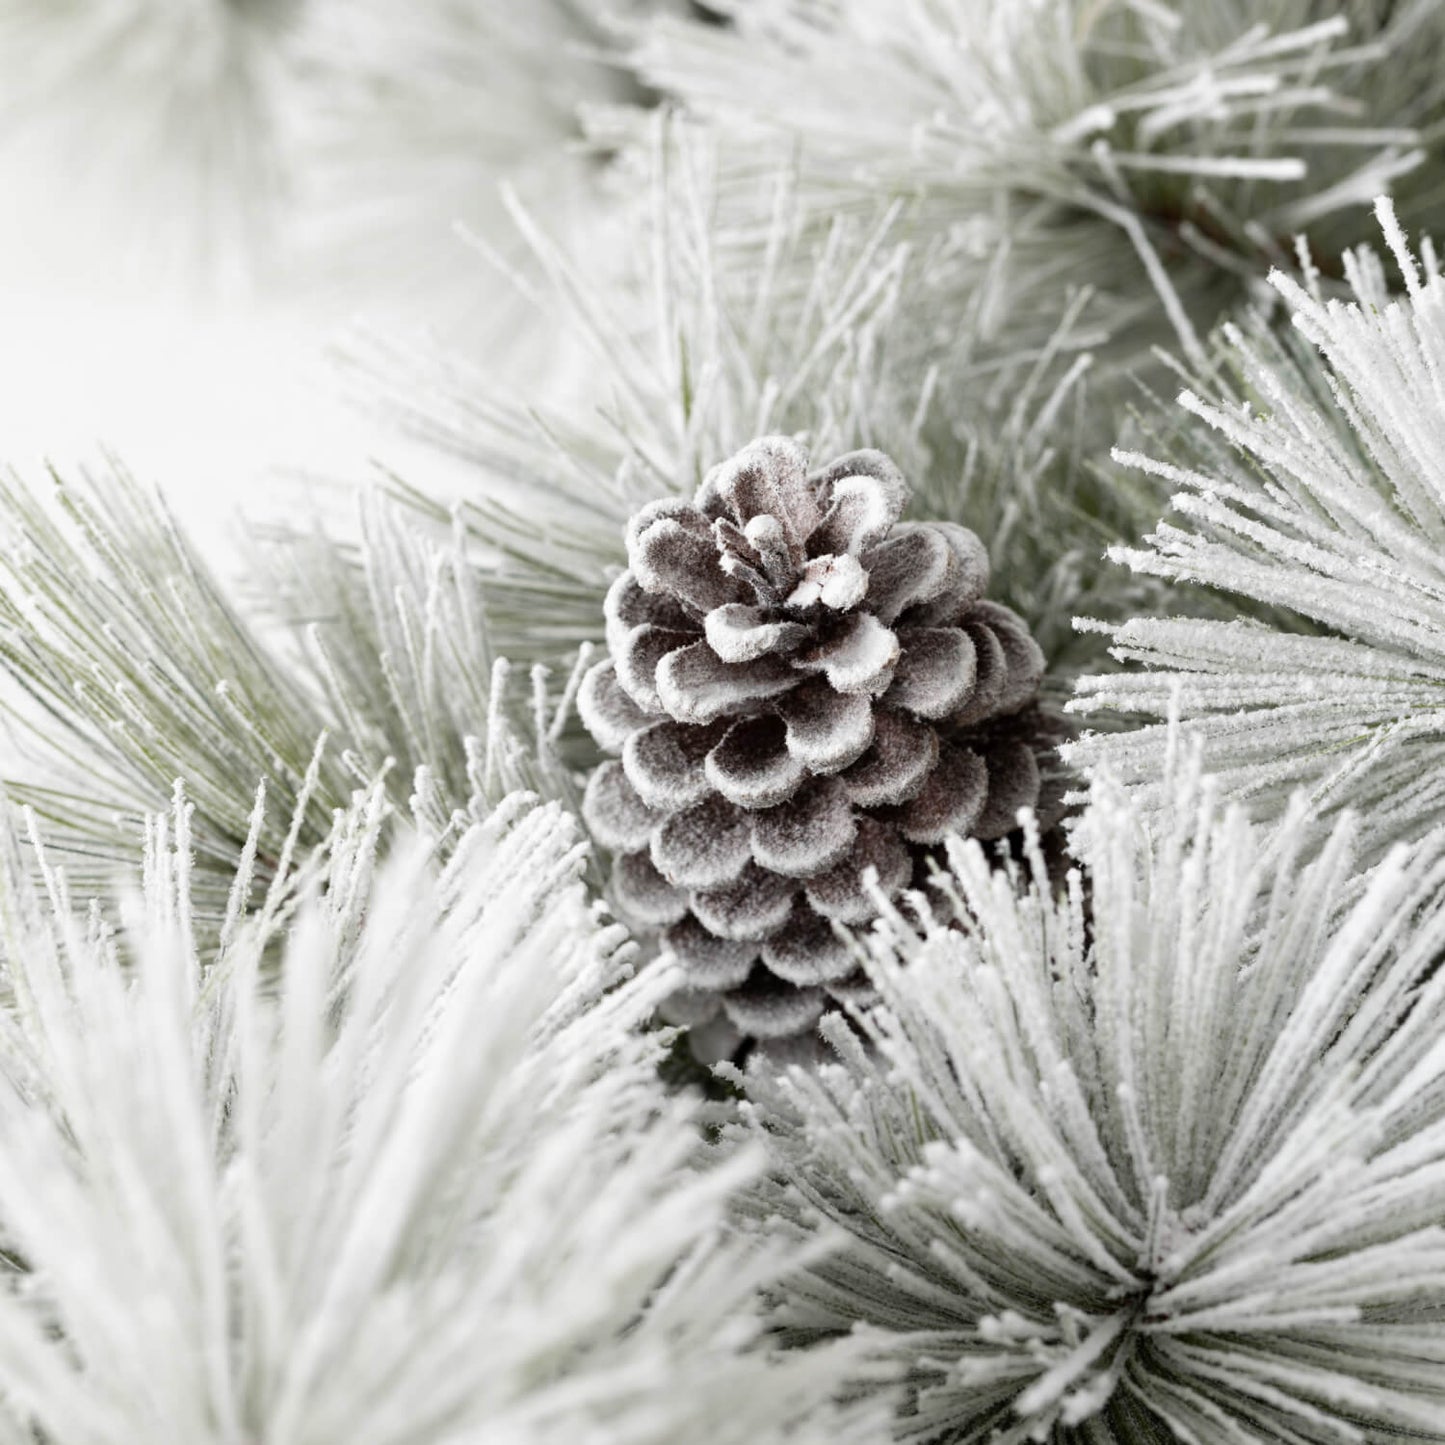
[(800, 687)]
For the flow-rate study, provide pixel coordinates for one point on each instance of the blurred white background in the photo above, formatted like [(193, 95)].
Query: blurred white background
[(200, 197), (215, 404)]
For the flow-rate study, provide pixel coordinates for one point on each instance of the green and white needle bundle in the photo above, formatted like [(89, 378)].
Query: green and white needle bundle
[(393, 1168), (1160, 1156)]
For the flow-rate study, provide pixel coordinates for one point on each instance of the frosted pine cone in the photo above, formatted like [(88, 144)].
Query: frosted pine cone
[(800, 687)]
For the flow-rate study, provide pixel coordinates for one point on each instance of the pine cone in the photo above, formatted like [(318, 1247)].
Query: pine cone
[(800, 687)]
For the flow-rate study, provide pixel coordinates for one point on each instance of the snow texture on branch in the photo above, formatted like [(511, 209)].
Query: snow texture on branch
[(1161, 155), (703, 346), (1314, 486), (420, 1186), (128, 666), (1158, 1157), (690, 357)]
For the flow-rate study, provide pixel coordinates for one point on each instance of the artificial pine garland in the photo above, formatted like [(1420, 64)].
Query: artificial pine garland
[(330, 1098)]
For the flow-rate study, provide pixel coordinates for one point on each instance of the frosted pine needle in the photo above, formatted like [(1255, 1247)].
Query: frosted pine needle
[(397, 637), (1314, 485), (422, 1188), (691, 358), (1165, 1164), (1162, 154), (705, 346), (127, 666)]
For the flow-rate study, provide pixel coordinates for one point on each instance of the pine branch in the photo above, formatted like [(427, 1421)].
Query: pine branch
[(424, 1188), (130, 670), (1313, 486), (694, 360), (400, 639), (702, 349), (1163, 156), (1159, 1156)]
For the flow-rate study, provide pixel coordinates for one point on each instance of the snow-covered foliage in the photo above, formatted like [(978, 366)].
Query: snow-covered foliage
[(1161, 154), (698, 348), (394, 1169), (129, 666), (1313, 482), (691, 357), (1157, 1157), (348, 1125)]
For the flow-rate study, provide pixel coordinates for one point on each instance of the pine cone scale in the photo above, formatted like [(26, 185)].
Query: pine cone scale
[(895, 765), (865, 495), (806, 952), (664, 762), (839, 892), (637, 662), (754, 907), (697, 686), (950, 801), (1024, 660), (709, 963), (673, 558), (857, 658), (990, 676), (809, 833), (739, 633), (766, 1007), (936, 674), (1013, 774), (770, 479), (615, 813), (752, 766), (704, 846), (826, 731), (628, 604), (610, 713), (644, 893), (911, 567)]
